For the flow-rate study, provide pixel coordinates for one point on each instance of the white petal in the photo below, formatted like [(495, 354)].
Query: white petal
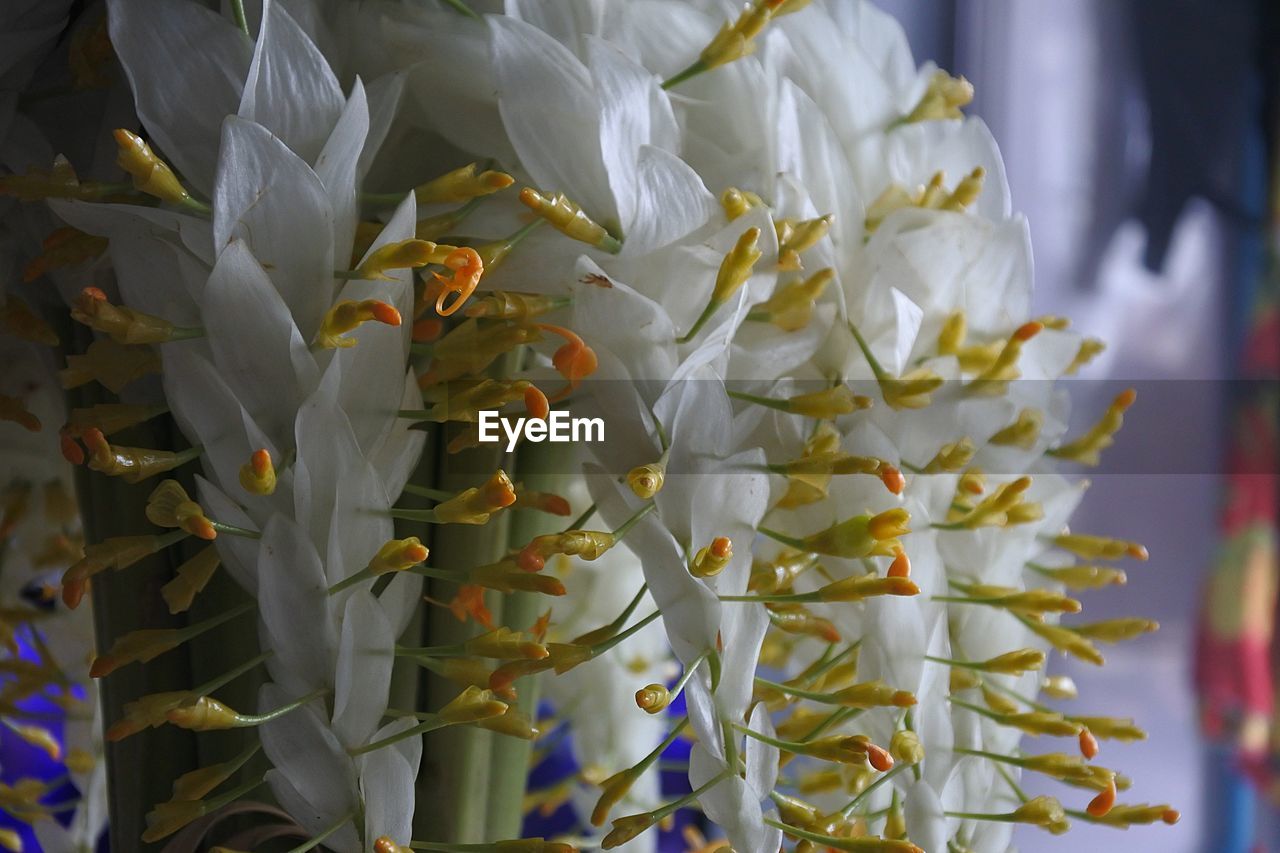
[(181, 111), (290, 88), (268, 197), (363, 673), (294, 608)]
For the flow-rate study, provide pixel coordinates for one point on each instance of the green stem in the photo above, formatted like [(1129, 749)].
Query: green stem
[(707, 314), (237, 11), (696, 68), (330, 830), (866, 792)]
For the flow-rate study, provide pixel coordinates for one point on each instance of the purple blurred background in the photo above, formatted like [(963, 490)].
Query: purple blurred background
[(1133, 135)]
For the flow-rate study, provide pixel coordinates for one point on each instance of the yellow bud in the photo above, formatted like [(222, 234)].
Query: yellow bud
[(866, 586), (471, 705), (861, 536), (397, 555), (123, 325), (626, 828), (796, 237), (131, 464), (1067, 641), (169, 506), (790, 308), (1112, 728), (258, 476), (512, 723), (1116, 630), (712, 559), (963, 679), (952, 457), (110, 364), (653, 698), (737, 266), (1087, 449), (646, 481), (505, 644), (191, 578), (1084, 577), (150, 174), (1014, 663), (147, 711), (1023, 432), (1041, 723), (1060, 687), (1099, 547), (1090, 348), (942, 99), (405, 254), (11, 840), (1040, 811), (905, 747), (569, 219), (736, 202), (348, 315), (827, 404), (510, 305), (205, 714), (460, 185), (870, 694)]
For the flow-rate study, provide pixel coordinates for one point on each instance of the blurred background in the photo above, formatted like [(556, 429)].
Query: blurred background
[(1139, 137)]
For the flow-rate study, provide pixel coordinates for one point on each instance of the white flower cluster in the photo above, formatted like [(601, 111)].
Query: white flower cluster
[(787, 276)]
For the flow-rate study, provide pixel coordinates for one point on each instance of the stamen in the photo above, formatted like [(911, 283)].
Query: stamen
[(912, 390), (207, 714), (110, 418), (574, 360), (1090, 348), (1081, 577), (132, 464), (823, 405), (996, 378), (854, 538), (736, 39), (510, 305), (1116, 630), (1023, 432), (116, 553), (868, 694), (797, 237), (1010, 663), (616, 786), (467, 267), (471, 347), (712, 559), (396, 555)]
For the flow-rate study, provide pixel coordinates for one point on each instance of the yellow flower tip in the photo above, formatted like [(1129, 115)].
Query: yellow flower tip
[(537, 405), (879, 758), (383, 844), (1040, 811), (1104, 802), (504, 644), (258, 476), (900, 567), (467, 268), (737, 202), (11, 840), (889, 524), (645, 481), (574, 360), (653, 698), (205, 714), (398, 555), (348, 315), (712, 560), (1088, 744), (892, 479), (124, 325), (167, 818), (626, 828), (150, 174), (906, 748), (1170, 816), (583, 544)]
